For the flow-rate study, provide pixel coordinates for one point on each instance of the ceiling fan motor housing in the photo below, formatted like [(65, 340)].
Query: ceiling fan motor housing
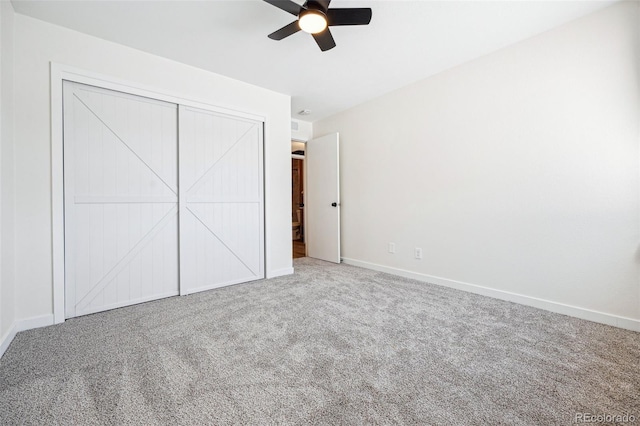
[(317, 5)]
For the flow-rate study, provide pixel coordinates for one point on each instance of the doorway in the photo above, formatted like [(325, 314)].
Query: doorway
[(297, 199), (315, 198)]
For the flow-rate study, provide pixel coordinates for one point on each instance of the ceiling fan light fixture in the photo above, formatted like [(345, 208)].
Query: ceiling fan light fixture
[(315, 17), (312, 21)]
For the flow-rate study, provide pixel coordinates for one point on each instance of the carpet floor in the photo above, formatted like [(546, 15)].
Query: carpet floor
[(331, 344)]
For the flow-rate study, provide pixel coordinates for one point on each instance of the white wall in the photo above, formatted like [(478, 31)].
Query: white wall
[(6, 173), (303, 131), (517, 171), (37, 43)]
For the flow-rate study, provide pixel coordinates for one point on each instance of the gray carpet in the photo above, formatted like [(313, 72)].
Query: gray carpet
[(332, 344)]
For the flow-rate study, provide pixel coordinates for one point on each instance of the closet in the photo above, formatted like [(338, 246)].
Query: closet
[(160, 199)]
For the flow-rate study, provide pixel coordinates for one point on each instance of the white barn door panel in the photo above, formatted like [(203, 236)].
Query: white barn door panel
[(121, 199), (221, 200)]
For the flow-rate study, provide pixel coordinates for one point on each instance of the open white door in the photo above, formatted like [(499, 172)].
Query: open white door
[(322, 198)]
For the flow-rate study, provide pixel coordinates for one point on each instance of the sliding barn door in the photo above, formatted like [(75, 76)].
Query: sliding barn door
[(121, 199), (221, 200)]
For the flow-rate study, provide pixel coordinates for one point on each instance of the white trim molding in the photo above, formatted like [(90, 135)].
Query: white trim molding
[(23, 325), (6, 340), (34, 322), (279, 272), (547, 305)]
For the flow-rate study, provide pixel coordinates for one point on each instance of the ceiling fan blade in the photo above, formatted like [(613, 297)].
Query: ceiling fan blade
[(287, 6), (324, 40), (349, 16), (285, 31), (317, 4)]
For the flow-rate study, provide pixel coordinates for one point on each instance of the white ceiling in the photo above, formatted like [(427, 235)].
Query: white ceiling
[(405, 42)]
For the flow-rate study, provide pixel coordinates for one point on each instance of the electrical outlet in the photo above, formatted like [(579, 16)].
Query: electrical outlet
[(418, 253), (392, 247)]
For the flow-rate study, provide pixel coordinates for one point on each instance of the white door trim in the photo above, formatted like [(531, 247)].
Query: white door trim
[(59, 73)]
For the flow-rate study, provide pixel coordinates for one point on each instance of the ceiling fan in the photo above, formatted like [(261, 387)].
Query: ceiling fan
[(315, 18)]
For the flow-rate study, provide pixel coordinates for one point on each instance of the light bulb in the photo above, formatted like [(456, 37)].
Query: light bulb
[(312, 22)]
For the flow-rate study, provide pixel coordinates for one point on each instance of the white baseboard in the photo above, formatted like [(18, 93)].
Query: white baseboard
[(6, 340), (34, 322), (548, 305), (23, 325), (280, 272)]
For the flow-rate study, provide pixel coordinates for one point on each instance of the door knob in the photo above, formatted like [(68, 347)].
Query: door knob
[(334, 204)]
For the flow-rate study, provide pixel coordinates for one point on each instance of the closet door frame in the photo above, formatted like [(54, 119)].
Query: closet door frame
[(60, 73)]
